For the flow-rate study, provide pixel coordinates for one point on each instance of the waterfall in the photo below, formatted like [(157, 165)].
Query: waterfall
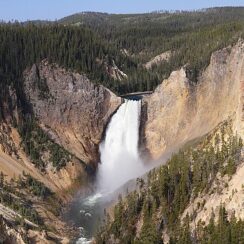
[(120, 160)]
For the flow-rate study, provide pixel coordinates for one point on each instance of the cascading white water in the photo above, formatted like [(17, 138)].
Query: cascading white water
[(120, 160)]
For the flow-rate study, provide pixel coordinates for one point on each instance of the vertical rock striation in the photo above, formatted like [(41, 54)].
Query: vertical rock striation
[(179, 111), (72, 110)]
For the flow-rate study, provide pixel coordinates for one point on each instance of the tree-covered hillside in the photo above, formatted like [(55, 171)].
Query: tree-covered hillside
[(74, 48), (157, 206), (191, 36), (144, 32)]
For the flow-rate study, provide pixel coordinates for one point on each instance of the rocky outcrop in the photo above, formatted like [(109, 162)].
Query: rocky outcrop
[(114, 72), (163, 57), (70, 108), (14, 161), (179, 111), (230, 193), (8, 234), (16, 234)]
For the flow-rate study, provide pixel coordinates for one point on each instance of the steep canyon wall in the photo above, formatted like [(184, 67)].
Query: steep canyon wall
[(179, 111), (73, 110)]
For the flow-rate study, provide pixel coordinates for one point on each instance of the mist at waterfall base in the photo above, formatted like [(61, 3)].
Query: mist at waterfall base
[(120, 162)]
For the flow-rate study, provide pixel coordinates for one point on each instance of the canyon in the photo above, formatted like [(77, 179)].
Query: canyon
[(74, 113)]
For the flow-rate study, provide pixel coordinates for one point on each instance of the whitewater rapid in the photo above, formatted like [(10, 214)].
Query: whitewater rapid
[(120, 159)]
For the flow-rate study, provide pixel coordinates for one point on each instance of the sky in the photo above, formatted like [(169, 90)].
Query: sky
[(55, 9)]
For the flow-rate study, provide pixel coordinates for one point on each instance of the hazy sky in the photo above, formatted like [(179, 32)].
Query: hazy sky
[(55, 9)]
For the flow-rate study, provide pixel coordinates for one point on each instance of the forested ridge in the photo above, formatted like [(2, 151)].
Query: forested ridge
[(89, 43), (160, 200), (124, 29), (191, 36)]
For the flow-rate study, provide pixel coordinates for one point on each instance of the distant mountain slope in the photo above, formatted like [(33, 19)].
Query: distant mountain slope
[(193, 36), (121, 28), (182, 18)]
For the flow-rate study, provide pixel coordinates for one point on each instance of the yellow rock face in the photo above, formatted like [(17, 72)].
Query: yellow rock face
[(179, 111)]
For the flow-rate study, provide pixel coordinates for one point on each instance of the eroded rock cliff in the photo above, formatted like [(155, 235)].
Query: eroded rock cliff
[(70, 108), (179, 111), (73, 113)]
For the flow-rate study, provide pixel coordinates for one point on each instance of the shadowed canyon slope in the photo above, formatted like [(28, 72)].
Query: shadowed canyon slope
[(74, 111), (179, 111)]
